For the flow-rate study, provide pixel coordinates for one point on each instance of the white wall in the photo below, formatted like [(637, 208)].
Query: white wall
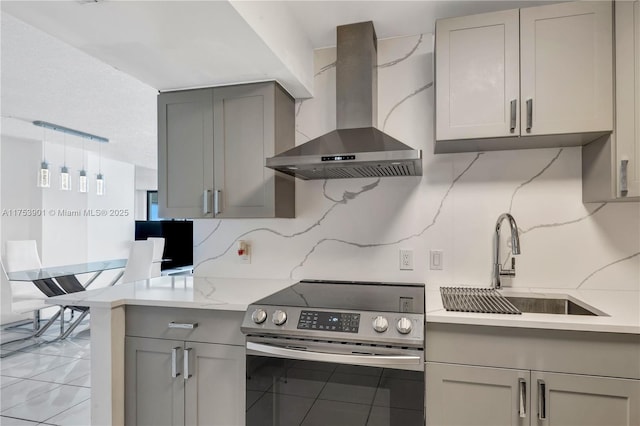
[(146, 180), (354, 228)]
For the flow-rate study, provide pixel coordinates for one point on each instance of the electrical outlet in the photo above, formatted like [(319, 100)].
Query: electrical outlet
[(436, 259), (406, 260), (244, 252)]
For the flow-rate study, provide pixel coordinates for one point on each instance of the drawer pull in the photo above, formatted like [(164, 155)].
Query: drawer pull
[(529, 115), (187, 354), (513, 123), (522, 409), (542, 401), (183, 325), (174, 362), (624, 188)]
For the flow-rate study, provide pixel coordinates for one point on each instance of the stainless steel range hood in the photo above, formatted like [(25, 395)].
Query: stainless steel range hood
[(356, 149)]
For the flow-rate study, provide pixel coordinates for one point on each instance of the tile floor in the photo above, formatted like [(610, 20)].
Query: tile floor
[(49, 384)]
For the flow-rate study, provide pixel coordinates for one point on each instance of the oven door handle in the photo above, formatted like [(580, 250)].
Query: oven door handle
[(378, 360)]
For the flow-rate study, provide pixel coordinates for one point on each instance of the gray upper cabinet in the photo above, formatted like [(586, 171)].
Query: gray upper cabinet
[(528, 78), (185, 152), (212, 145), (611, 165)]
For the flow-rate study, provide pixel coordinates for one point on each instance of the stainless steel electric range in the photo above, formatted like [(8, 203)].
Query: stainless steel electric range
[(336, 353)]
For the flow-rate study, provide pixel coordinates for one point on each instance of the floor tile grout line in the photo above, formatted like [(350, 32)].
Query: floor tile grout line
[(31, 397), (67, 409), (58, 383), (37, 396)]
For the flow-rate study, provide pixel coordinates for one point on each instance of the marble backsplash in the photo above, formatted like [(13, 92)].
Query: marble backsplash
[(353, 229)]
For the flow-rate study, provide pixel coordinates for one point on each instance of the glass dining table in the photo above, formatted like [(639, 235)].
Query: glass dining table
[(59, 280)]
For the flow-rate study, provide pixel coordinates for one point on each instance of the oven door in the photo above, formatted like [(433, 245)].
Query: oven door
[(293, 383)]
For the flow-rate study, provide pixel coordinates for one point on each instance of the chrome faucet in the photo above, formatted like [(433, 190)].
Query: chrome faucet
[(515, 249)]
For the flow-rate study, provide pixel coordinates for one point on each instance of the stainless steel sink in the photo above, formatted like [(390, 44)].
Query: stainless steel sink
[(560, 305)]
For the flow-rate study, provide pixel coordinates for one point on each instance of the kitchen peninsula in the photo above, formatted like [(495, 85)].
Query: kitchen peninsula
[(214, 307)]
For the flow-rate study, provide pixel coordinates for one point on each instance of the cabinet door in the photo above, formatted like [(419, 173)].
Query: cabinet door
[(243, 138), (185, 154), (152, 396), (628, 95), (477, 76), (571, 399), (476, 396), (215, 394), (566, 53)]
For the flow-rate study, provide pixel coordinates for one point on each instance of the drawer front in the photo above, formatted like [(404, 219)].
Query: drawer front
[(213, 326)]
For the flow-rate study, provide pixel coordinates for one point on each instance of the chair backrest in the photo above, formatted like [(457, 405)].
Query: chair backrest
[(158, 250), (21, 255), (139, 262)]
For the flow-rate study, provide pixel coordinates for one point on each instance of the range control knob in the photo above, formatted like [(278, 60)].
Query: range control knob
[(404, 325), (380, 324), (259, 316), (279, 317)]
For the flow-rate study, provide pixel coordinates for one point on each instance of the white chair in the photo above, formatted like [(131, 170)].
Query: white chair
[(26, 297), (22, 255), (158, 250), (138, 264)]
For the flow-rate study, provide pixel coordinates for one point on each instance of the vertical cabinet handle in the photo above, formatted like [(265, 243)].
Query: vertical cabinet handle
[(624, 189), (187, 355), (206, 205), (542, 401), (529, 114), (522, 398), (512, 125), (174, 362), (217, 202)]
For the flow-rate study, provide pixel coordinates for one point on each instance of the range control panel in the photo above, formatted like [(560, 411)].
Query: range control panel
[(329, 321)]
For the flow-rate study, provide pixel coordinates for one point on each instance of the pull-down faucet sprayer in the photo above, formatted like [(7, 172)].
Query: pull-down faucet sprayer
[(515, 249)]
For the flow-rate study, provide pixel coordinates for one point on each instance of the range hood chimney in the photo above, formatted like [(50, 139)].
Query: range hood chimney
[(356, 148)]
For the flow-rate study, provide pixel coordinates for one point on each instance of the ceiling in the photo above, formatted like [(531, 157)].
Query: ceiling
[(97, 65)]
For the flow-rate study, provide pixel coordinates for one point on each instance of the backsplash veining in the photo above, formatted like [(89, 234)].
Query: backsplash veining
[(353, 229)]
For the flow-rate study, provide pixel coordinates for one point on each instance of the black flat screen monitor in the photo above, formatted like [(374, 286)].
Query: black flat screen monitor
[(178, 240)]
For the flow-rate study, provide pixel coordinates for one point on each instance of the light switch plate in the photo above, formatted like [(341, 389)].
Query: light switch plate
[(436, 260)]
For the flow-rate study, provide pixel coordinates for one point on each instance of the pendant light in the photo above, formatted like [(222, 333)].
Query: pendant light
[(100, 177), (82, 179), (44, 178), (65, 177)]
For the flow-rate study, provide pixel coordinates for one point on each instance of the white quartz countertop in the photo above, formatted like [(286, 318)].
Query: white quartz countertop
[(622, 309), (229, 294)]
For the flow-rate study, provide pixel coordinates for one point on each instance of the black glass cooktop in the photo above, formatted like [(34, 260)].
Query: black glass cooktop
[(351, 295)]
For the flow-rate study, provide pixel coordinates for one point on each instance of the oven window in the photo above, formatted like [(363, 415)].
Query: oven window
[(292, 392)]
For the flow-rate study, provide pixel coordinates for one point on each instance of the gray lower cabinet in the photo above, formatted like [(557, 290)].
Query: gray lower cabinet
[(478, 396), (152, 395), (212, 146), (184, 366), (483, 375), (471, 395), (171, 382), (572, 399)]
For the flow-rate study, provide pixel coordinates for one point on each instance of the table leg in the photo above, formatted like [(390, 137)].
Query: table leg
[(70, 284), (92, 279)]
